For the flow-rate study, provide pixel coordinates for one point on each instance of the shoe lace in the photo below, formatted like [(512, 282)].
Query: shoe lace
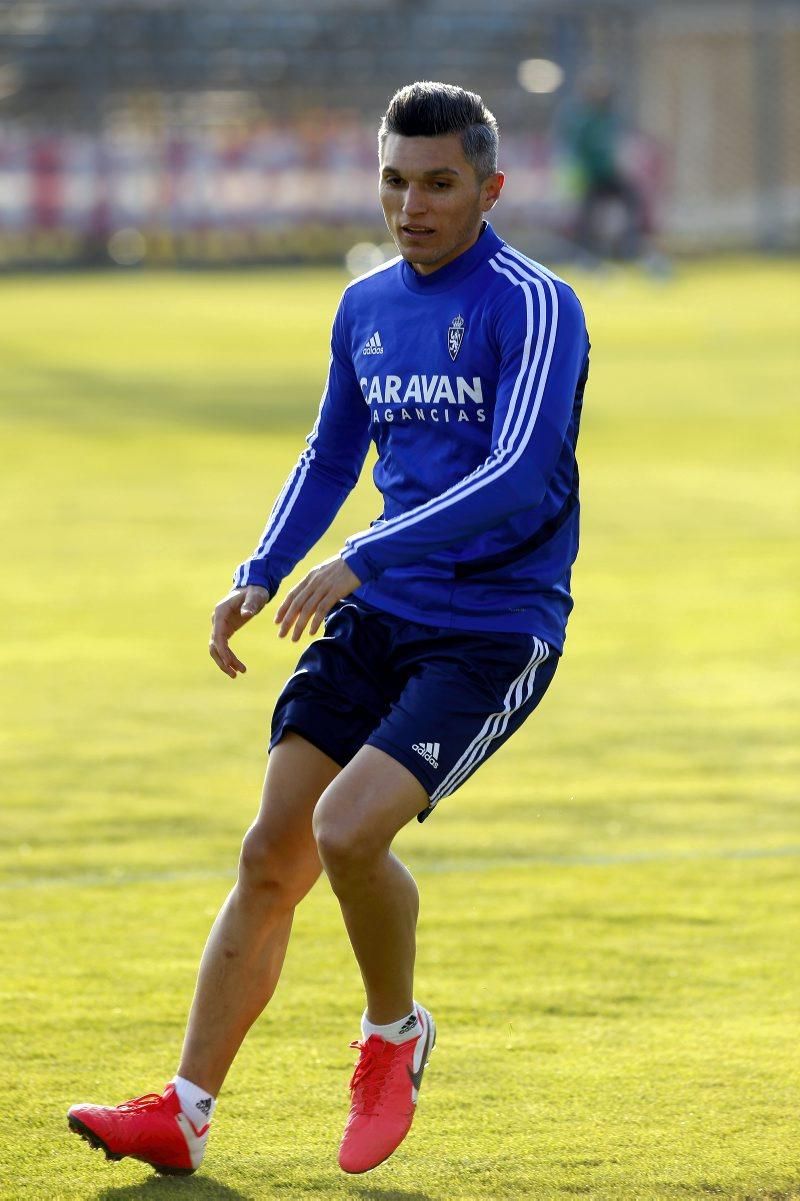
[(141, 1102), (369, 1077)]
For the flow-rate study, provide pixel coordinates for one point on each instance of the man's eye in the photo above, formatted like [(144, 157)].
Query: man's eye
[(393, 181), (441, 185)]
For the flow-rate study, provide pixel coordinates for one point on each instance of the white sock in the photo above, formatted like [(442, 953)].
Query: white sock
[(396, 1032), (196, 1103)]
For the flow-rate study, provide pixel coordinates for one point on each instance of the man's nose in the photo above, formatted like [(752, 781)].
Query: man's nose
[(415, 202)]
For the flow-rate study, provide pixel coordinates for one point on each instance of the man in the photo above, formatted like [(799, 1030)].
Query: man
[(465, 362), (610, 217)]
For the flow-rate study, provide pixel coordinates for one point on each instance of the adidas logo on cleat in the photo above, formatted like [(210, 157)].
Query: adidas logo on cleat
[(373, 345), (429, 752)]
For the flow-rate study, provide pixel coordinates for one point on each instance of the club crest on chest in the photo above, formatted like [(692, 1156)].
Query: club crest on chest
[(455, 336)]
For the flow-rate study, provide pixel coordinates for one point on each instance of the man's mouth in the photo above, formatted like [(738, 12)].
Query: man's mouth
[(416, 231)]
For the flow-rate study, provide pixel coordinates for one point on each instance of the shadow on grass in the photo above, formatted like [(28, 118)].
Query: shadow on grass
[(203, 1188), (391, 1194), (191, 1188)]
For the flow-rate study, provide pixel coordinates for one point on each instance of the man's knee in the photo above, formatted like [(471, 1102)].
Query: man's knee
[(274, 867), (346, 839), (259, 862), (361, 811)]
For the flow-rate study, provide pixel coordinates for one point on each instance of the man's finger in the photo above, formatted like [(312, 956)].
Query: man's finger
[(231, 659), (299, 626), (283, 615), (222, 654), (301, 616), (299, 601), (289, 600), (293, 614), (306, 612), (215, 655), (283, 606), (323, 609)]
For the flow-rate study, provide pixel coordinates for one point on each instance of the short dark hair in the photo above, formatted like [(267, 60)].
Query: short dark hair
[(432, 110)]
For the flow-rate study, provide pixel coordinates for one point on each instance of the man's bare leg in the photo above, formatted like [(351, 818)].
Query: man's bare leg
[(354, 824), (244, 954)]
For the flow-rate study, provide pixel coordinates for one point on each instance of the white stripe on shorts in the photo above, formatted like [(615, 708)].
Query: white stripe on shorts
[(519, 692)]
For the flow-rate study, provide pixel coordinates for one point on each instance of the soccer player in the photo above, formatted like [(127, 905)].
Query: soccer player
[(465, 362)]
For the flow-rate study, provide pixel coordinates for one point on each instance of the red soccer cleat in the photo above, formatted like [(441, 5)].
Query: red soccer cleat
[(384, 1088), (152, 1128)]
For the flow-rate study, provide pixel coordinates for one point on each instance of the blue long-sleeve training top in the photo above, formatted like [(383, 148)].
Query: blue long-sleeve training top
[(470, 383)]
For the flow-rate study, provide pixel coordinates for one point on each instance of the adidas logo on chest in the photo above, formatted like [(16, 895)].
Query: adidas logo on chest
[(373, 345)]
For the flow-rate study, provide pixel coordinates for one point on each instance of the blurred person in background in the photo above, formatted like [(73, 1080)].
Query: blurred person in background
[(610, 220), (465, 363)]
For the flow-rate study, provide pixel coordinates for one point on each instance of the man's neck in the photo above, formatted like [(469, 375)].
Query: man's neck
[(430, 268)]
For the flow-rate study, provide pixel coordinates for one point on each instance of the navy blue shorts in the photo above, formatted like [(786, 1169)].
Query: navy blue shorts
[(440, 702)]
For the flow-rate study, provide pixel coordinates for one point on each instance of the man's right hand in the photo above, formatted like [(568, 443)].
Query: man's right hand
[(232, 612)]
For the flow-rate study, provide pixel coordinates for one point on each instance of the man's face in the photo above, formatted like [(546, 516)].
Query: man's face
[(432, 200)]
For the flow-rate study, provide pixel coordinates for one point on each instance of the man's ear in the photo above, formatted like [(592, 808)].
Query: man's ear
[(490, 190)]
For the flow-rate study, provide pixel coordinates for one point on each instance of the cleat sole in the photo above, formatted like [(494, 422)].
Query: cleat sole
[(97, 1144), (88, 1135)]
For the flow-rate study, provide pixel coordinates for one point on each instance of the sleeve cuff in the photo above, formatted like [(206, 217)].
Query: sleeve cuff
[(358, 564), (255, 571)]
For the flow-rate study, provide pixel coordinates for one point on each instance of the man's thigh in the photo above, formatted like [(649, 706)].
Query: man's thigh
[(368, 802), (438, 702), (464, 699), (297, 775), (343, 685)]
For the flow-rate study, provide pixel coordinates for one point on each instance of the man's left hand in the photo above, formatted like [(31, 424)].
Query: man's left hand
[(314, 597)]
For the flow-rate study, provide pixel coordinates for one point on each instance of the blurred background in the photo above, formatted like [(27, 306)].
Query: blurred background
[(185, 132)]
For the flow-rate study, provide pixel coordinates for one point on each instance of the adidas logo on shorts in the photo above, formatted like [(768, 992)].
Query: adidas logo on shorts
[(429, 752), (373, 345)]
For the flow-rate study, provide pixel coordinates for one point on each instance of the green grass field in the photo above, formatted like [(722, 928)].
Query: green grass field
[(609, 933)]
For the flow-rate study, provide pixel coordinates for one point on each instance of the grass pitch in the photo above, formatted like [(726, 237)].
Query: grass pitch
[(610, 925)]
